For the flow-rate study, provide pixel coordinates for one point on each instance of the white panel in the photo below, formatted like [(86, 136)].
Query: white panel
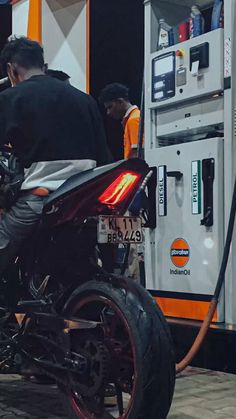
[(20, 18), (198, 273), (64, 38), (202, 82)]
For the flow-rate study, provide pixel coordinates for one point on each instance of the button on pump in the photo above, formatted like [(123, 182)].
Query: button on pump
[(180, 53)]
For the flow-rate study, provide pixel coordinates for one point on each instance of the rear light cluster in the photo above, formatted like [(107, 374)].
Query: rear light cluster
[(119, 189)]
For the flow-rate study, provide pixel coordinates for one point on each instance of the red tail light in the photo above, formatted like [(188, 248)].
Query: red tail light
[(119, 189)]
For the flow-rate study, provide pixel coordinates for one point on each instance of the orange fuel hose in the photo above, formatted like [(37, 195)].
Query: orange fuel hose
[(207, 322), (199, 339)]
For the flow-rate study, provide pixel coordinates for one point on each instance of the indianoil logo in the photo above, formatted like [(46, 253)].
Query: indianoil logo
[(179, 253)]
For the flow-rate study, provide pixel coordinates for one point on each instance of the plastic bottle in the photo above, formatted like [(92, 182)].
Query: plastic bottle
[(183, 31), (171, 37), (196, 23), (217, 15), (222, 18), (166, 35)]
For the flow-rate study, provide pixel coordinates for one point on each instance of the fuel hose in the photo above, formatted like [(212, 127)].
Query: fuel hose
[(214, 301)]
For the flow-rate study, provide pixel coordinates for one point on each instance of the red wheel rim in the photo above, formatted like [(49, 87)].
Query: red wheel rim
[(76, 401)]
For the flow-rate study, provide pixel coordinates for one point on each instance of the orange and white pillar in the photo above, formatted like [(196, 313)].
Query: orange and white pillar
[(34, 29), (63, 29)]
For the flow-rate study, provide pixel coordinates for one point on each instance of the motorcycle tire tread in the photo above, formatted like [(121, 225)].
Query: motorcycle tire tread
[(155, 356)]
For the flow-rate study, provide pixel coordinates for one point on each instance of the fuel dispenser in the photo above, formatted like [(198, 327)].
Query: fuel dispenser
[(190, 130)]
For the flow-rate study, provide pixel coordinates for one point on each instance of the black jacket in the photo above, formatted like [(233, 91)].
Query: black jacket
[(46, 120)]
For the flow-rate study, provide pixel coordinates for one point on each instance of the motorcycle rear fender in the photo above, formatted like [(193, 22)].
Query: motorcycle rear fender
[(77, 199)]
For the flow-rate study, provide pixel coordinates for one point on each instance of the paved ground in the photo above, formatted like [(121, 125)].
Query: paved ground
[(199, 394), (202, 394)]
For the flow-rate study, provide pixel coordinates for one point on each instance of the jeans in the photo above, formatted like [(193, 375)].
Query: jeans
[(17, 225)]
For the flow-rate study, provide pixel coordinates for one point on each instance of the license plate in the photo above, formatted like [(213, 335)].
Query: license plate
[(112, 229)]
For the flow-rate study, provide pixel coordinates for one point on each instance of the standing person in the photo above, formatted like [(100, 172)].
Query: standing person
[(55, 131), (115, 98)]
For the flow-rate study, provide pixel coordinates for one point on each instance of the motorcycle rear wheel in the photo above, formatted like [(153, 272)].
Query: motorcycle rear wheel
[(141, 363)]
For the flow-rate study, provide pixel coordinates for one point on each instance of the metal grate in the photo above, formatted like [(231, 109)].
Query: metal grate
[(181, 139), (164, 142)]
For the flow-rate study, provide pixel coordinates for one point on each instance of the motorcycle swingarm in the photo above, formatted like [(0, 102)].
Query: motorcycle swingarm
[(53, 322), (60, 373)]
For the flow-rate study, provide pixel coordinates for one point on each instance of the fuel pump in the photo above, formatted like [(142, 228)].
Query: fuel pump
[(189, 137)]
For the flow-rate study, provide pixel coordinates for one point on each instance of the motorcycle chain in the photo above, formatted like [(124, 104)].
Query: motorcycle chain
[(104, 359), (65, 382)]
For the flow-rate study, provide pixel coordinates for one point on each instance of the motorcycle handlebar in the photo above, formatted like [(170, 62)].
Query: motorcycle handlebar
[(4, 80), (5, 152), (5, 148), (4, 170)]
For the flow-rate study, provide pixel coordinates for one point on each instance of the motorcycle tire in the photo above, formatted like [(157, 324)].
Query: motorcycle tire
[(154, 355)]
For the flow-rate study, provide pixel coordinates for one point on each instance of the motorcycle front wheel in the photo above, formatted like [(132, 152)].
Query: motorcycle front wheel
[(130, 351)]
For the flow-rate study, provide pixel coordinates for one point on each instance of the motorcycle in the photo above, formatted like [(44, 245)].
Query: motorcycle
[(70, 320)]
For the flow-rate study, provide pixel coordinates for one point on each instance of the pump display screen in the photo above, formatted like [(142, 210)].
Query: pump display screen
[(163, 77), (164, 65)]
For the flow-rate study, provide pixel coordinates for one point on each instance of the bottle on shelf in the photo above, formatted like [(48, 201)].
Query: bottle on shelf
[(166, 35), (196, 22), (183, 31), (217, 20)]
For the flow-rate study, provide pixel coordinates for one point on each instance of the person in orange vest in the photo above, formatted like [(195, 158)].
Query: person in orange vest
[(115, 98)]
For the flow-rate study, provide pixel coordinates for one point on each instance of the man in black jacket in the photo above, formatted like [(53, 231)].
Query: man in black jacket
[(55, 131)]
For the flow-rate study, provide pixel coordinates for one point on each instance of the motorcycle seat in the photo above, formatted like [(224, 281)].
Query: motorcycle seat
[(78, 180), (75, 181)]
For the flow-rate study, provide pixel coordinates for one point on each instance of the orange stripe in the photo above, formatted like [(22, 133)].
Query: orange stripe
[(185, 309), (35, 20), (40, 191), (88, 46)]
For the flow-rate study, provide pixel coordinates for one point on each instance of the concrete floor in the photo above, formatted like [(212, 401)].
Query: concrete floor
[(204, 394), (199, 394)]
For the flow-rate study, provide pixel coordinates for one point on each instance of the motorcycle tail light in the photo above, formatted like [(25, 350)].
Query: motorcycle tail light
[(119, 189)]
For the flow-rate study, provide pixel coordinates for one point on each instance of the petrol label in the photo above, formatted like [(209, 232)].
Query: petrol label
[(196, 187), (162, 191)]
